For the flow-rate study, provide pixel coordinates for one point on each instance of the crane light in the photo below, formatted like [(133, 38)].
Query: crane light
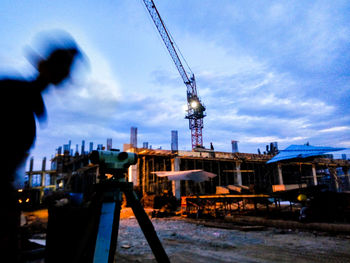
[(194, 104)]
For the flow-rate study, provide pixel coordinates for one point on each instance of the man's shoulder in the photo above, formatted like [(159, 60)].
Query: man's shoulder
[(13, 82), (16, 88), (18, 94)]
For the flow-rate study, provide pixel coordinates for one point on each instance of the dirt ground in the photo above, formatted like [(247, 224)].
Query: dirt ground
[(186, 241), (189, 242)]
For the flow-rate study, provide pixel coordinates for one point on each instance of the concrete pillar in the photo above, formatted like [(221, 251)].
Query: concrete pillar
[(280, 176), (346, 173), (336, 180), (219, 173), (333, 172), (187, 187), (175, 166), (147, 176), (201, 189), (314, 176), (97, 177), (30, 175), (43, 168), (43, 177), (238, 172), (143, 175), (30, 179), (133, 174), (54, 180)]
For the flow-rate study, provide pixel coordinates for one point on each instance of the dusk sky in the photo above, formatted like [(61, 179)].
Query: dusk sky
[(266, 71)]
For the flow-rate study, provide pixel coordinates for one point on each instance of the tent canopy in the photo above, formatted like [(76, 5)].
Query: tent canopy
[(302, 151), (194, 175)]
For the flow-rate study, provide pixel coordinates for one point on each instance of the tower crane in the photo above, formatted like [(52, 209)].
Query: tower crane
[(196, 109)]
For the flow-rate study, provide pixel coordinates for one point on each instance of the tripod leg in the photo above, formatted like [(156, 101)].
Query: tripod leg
[(106, 242), (147, 227), (115, 229)]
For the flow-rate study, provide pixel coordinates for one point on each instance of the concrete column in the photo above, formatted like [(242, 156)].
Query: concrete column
[(336, 180), (175, 166), (43, 168), (333, 172), (143, 175), (238, 172), (147, 176), (42, 183), (201, 190), (133, 174), (30, 179), (280, 176), (187, 188), (30, 175), (346, 173), (219, 173), (53, 180), (97, 176), (314, 176)]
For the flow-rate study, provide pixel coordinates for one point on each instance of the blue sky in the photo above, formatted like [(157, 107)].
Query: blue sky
[(266, 71)]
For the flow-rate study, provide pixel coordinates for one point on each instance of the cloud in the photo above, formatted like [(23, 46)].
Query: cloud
[(256, 102), (266, 72), (345, 144), (268, 139), (336, 129)]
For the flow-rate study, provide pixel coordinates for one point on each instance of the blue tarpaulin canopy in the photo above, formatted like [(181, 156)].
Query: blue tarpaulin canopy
[(302, 151)]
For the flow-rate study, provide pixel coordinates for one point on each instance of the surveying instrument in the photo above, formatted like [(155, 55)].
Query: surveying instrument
[(116, 163)]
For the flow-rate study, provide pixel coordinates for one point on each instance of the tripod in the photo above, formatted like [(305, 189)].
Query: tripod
[(106, 242)]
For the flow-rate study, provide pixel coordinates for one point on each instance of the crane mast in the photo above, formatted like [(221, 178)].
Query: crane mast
[(196, 110)]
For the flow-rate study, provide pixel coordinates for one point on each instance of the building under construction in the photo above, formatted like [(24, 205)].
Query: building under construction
[(234, 171)]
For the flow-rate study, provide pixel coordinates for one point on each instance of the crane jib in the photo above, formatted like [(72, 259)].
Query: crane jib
[(166, 38), (196, 109)]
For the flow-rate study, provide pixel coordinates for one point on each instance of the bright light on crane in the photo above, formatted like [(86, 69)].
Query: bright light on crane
[(194, 104)]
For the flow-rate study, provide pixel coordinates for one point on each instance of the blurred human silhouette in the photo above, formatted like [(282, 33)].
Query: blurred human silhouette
[(22, 103)]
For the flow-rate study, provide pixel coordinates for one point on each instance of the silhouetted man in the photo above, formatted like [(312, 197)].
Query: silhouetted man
[(21, 104)]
